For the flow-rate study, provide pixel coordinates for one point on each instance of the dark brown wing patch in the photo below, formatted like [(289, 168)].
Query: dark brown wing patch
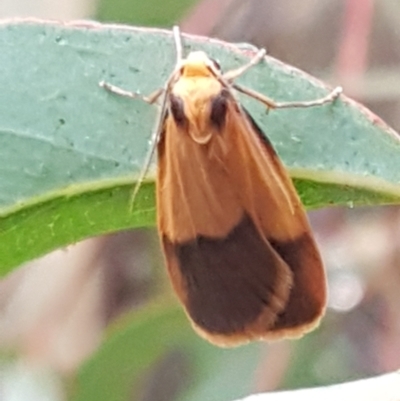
[(307, 297), (231, 282)]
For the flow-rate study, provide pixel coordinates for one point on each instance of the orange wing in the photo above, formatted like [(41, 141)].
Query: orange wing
[(236, 239)]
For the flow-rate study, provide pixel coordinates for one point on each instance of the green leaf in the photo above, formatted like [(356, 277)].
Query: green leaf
[(70, 150), (117, 372), (149, 12)]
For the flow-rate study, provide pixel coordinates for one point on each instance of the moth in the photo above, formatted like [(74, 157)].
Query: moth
[(237, 243)]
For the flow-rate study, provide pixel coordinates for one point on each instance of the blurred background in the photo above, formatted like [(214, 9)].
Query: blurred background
[(54, 312)]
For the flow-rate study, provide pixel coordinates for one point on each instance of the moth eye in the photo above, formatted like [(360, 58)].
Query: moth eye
[(218, 110), (177, 110)]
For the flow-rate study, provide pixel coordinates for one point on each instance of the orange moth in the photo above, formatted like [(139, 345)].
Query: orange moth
[(236, 239)]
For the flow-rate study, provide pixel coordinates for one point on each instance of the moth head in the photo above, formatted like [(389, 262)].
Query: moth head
[(199, 64)]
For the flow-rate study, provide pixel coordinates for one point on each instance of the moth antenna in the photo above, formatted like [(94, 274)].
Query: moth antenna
[(152, 98), (165, 91), (329, 98), (230, 76), (159, 126), (153, 144), (272, 104), (178, 43)]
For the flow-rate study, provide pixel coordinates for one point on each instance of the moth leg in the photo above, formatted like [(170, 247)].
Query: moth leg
[(271, 104), (151, 99), (230, 76), (154, 96), (329, 98)]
